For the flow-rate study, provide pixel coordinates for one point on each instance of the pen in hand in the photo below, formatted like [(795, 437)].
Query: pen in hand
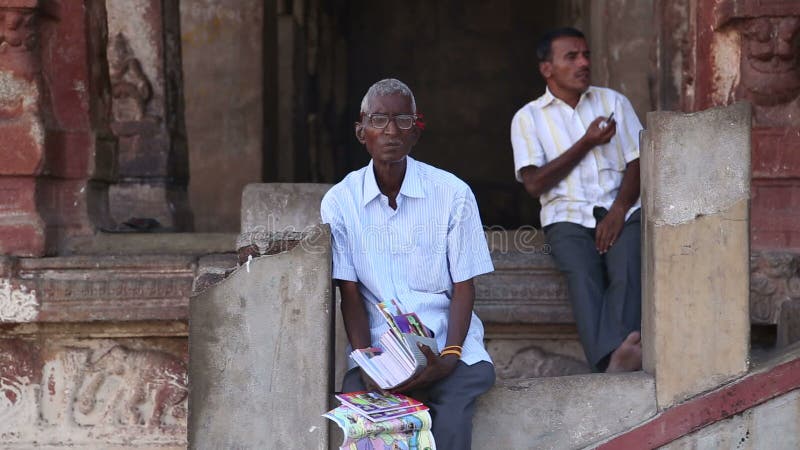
[(606, 122)]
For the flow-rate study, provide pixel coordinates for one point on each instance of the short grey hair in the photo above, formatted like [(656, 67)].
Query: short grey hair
[(387, 86)]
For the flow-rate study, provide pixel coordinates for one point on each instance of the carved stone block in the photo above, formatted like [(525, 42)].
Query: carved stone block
[(774, 280), (111, 288), (789, 323), (93, 393)]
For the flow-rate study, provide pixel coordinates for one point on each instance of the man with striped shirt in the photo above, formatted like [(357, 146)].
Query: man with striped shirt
[(406, 231), (576, 148)]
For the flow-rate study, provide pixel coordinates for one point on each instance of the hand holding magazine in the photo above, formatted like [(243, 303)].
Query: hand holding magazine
[(399, 359)]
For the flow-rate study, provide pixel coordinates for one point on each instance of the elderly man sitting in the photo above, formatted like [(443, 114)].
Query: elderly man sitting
[(406, 231)]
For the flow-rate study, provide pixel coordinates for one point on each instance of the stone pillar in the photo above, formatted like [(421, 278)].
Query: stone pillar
[(260, 348), (695, 198), (80, 160), (621, 52), (22, 230), (224, 70), (144, 64)]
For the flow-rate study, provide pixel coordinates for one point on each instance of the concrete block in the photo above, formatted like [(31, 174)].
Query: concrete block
[(274, 207), (277, 209), (562, 412), (260, 348), (695, 195)]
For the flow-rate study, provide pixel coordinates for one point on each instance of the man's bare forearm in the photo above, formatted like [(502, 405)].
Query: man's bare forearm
[(460, 312), (538, 180), (629, 190), (354, 315)]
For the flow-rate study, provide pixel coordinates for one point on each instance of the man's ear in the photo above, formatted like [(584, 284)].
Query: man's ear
[(360, 130), (546, 69)]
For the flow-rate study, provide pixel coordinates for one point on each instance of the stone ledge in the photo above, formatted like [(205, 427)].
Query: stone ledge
[(96, 288), (562, 412)]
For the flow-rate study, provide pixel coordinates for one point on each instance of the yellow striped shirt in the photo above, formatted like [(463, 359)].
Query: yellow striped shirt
[(547, 127)]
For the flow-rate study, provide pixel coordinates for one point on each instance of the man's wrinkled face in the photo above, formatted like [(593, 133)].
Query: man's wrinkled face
[(389, 144), (569, 68)]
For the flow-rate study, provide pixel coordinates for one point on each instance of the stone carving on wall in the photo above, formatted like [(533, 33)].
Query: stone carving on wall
[(532, 362), (17, 29), (770, 68), (17, 304), (133, 387), (774, 279), (130, 87), (93, 393), (16, 373)]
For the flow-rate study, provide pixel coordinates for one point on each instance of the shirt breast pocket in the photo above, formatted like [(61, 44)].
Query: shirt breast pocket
[(427, 269), (609, 157)]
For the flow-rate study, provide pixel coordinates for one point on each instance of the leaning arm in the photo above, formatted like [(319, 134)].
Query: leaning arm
[(609, 229), (460, 312), (538, 180)]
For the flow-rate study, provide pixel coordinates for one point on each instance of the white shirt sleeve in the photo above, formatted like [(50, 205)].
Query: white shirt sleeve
[(628, 130), (341, 247), (467, 250), (527, 148)]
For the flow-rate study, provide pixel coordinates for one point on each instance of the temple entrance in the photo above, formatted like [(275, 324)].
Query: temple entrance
[(471, 65), (277, 101)]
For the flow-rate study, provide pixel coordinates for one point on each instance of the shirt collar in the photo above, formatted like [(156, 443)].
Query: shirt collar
[(549, 98), (411, 187)]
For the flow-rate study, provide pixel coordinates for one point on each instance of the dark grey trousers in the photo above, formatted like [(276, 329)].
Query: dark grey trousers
[(451, 401), (605, 290)]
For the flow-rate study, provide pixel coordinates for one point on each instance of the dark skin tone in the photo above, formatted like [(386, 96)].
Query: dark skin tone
[(388, 148), (567, 74)]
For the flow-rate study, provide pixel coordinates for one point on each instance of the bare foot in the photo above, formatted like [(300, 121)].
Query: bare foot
[(628, 356)]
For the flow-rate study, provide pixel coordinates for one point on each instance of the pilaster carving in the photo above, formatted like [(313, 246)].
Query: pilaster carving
[(774, 279), (770, 69), (130, 88), (17, 29), (22, 129)]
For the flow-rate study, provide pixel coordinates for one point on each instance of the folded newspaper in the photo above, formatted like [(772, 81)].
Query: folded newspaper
[(410, 431), (399, 357)]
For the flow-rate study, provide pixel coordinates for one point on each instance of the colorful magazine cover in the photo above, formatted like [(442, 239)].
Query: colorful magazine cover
[(370, 402), (411, 432)]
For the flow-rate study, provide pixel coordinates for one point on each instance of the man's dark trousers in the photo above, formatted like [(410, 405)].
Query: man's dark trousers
[(451, 401), (605, 290)]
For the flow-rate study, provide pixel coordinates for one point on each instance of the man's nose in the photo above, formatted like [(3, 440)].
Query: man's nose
[(391, 127)]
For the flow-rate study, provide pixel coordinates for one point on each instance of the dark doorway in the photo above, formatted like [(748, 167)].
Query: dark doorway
[(470, 63)]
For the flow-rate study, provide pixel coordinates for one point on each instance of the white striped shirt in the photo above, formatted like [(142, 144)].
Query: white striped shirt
[(547, 127), (412, 254)]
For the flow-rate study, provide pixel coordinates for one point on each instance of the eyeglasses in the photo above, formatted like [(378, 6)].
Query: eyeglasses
[(381, 121)]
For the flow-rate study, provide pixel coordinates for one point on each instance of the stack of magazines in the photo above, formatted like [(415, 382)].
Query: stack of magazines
[(382, 420), (378, 406), (399, 357)]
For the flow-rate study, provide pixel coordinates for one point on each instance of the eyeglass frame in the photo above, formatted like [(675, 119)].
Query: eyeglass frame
[(391, 118)]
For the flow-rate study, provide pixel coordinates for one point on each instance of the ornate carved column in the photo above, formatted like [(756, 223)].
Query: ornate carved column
[(747, 49), (21, 129), (147, 110)]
